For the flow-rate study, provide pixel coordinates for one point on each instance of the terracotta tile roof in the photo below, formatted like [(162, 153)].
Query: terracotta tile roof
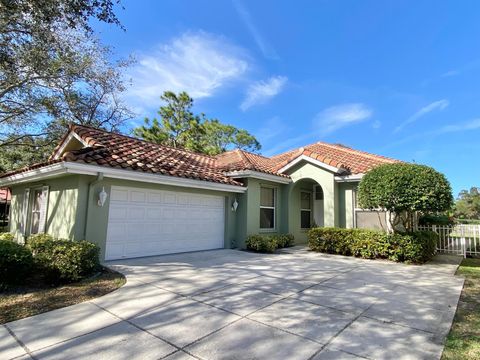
[(339, 156), (124, 152), (237, 160)]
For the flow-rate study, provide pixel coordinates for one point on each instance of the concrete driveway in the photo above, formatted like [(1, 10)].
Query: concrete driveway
[(229, 304)]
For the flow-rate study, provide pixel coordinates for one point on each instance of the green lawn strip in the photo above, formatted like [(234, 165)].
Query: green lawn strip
[(26, 301), (463, 341)]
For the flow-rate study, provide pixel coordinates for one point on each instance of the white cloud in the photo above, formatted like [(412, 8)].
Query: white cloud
[(436, 105), (450, 73), (267, 50), (469, 125), (196, 62), (336, 117), (261, 91)]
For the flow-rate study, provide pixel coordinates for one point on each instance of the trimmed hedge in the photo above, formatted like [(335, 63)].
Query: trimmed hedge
[(416, 247), (429, 219), (63, 260), (6, 236), (269, 243), (16, 263)]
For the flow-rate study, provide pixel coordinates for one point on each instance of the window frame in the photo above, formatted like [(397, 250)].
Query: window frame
[(31, 208), (274, 208), (309, 210), (43, 210)]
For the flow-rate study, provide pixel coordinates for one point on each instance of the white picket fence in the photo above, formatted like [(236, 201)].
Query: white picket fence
[(458, 239)]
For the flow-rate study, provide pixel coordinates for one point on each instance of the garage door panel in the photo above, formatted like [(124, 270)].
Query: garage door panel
[(138, 196), (154, 198), (136, 213), (169, 198), (118, 195)]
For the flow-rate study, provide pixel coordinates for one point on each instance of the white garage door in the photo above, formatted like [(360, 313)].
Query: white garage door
[(147, 222)]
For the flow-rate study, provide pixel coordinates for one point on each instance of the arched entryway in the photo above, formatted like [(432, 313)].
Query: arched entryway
[(306, 207)]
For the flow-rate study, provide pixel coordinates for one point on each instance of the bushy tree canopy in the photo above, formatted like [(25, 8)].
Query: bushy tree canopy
[(467, 205), (53, 71), (180, 127), (403, 190)]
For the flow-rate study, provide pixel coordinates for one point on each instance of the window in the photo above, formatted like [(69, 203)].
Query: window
[(267, 208), (36, 208), (305, 210), (318, 192)]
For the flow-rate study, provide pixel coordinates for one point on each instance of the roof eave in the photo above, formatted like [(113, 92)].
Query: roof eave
[(65, 167), (310, 160), (239, 174), (349, 178)]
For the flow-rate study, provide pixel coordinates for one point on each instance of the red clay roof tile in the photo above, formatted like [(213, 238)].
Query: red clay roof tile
[(124, 152)]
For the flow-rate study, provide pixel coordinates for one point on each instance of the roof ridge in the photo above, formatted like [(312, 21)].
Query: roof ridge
[(242, 155), (355, 151), (254, 154)]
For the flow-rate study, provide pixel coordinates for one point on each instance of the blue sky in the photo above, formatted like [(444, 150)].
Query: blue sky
[(396, 78)]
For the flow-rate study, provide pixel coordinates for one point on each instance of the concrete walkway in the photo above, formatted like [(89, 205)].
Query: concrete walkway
[(229, 304)]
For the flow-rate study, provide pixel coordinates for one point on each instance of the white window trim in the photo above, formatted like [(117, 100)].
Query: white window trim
[(25, 206), (274, 228), (309, 210), (43, 210)]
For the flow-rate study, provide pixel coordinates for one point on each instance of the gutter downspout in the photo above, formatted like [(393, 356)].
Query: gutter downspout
[(87, 210)]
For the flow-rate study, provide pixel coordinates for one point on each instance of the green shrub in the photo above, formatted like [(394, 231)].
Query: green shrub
[(16, 263), (429, 219), (64, 260), (416, 247), (261, 243), (284, 240), (269, 243), (39, 243), (6, 236)]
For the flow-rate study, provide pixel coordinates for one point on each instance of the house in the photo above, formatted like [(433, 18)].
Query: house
[(135, 198)]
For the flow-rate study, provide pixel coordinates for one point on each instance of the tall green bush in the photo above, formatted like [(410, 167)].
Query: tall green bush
[(405, 190)]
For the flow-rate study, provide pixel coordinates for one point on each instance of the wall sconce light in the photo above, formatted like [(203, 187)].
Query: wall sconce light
[(102, 197), (235, 205)]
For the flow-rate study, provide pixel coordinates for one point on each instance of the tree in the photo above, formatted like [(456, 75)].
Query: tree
[(467, 205), (54, 71), (219, 138), (179, 127), (405, 190)]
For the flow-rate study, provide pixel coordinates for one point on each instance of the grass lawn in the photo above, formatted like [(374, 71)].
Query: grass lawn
[(34, 299), (463, 342)]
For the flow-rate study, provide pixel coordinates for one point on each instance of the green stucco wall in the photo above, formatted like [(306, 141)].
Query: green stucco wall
[(73, 211), (71, 196), (346, 204), (248, 212), (64, 220)]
